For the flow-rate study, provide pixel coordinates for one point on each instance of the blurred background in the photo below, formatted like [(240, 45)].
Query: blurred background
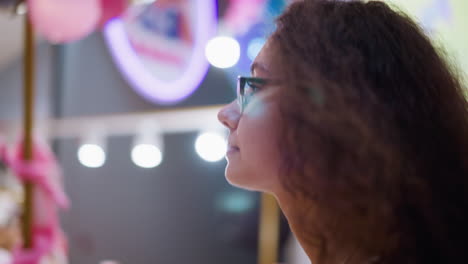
[(130, 110)]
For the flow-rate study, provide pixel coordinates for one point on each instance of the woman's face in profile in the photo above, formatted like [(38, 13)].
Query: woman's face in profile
[(253, 155)]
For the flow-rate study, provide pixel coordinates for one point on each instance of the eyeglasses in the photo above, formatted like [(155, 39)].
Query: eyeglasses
[(246, 88)]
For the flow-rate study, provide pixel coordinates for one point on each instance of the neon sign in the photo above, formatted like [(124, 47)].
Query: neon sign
[(163, 76)]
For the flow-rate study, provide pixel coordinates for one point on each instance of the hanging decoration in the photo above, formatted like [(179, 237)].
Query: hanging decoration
[(42, 170), (62, 21), (10, 204)]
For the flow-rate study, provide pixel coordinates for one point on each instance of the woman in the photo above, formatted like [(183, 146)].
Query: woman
[(359, 128)]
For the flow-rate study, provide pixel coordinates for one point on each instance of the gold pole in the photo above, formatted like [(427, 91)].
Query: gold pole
[(28, 124), (268, 230)]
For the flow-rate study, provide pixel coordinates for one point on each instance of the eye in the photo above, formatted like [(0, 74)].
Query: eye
[(252, 87)]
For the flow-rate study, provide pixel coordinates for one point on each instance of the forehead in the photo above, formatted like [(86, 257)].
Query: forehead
[(262, 63)]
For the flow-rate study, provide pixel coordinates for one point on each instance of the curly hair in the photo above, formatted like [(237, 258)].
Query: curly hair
[(376, 142)]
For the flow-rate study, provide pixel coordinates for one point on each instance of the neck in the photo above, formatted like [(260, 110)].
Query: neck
[(302, 215), (296, 216)]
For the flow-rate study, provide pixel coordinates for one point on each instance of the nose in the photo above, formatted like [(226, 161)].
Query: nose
[(229, 116)]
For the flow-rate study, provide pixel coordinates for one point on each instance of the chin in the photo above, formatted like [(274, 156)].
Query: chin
[(243, 180)]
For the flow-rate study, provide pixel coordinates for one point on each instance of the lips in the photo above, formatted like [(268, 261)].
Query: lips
[(232, 146), (232, 149)]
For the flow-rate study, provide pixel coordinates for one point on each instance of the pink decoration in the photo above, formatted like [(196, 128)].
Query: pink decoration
[(43, 171), (111, 9), (241, 14), (62, 21)]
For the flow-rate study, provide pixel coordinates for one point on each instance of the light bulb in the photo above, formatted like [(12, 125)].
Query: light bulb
[(211, 146), (222, 52), (146, 155), (91, 155)]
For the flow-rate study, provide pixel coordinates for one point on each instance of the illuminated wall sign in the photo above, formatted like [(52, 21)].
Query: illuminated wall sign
[(160, 48)]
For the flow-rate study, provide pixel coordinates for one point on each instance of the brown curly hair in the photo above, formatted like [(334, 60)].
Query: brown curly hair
[(377, 134)]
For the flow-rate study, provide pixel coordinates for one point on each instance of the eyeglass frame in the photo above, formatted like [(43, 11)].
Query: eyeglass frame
[(241, 82)]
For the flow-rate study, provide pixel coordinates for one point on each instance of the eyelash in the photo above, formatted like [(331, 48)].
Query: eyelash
[(255, 88)]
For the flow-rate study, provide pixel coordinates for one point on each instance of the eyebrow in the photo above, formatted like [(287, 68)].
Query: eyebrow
[(257, 65)]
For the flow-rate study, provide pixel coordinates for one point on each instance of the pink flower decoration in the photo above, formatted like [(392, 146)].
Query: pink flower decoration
[(62, 21), (49, 195), (111, 9)]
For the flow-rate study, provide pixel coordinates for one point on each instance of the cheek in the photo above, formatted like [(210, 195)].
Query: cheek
[(259, 156), (258, 129)]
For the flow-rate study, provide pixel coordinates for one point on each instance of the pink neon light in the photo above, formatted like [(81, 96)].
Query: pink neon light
[(157, 54), (143, 81)]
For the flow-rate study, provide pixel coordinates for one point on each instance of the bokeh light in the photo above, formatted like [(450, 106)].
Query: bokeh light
[(222, 52), (211, 146), (146, 155), (91, 155)]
